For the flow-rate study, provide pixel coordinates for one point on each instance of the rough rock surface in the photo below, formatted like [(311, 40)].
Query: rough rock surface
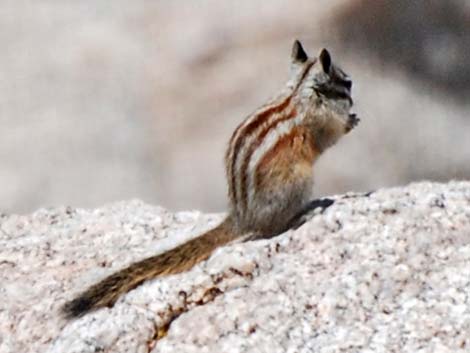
[(382, 272)]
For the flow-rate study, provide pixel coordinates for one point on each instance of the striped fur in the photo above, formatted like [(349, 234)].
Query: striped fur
[(269, 173), (313, 107)]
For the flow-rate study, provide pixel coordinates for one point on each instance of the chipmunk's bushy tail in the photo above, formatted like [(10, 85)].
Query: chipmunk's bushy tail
[(179, 259)]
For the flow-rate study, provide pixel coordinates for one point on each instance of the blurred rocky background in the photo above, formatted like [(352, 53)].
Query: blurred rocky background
[(103, 101)]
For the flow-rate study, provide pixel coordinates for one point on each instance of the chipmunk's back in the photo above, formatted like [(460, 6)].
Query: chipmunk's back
[(270, 155), (269, 173)]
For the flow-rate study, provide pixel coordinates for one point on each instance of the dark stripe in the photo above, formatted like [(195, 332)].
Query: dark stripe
[(254, 145), (247, 130), (264, 115), (229, 165), (333, 93), (281, 143), (304, 74)]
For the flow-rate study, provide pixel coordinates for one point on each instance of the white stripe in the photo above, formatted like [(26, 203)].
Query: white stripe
[(282, 129), (272, 103), (247, 142)]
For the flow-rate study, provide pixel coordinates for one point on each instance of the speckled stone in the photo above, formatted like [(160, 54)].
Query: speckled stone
[(385, 272)]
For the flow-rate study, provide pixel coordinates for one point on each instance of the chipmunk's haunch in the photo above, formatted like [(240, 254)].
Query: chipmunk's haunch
[(269, 172)]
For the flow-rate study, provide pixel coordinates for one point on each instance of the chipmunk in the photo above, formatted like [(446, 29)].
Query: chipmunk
[(269, 172)]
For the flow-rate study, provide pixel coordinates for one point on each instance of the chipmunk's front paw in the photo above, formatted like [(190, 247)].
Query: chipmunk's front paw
[(352, 121)]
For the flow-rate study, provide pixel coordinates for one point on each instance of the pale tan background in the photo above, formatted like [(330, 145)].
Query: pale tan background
[(109, 100)]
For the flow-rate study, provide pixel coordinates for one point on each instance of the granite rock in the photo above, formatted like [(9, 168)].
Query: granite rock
[(387, 271)]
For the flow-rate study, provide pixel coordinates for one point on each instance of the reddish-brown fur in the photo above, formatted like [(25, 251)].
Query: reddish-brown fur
[(269, 159), (248, 130), (257, 142)]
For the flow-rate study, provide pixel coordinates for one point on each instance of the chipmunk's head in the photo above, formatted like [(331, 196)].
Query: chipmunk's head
[(319, 81)]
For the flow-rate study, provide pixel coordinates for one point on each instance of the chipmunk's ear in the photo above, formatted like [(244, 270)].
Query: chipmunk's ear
[(325, 60), (298, 53)]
